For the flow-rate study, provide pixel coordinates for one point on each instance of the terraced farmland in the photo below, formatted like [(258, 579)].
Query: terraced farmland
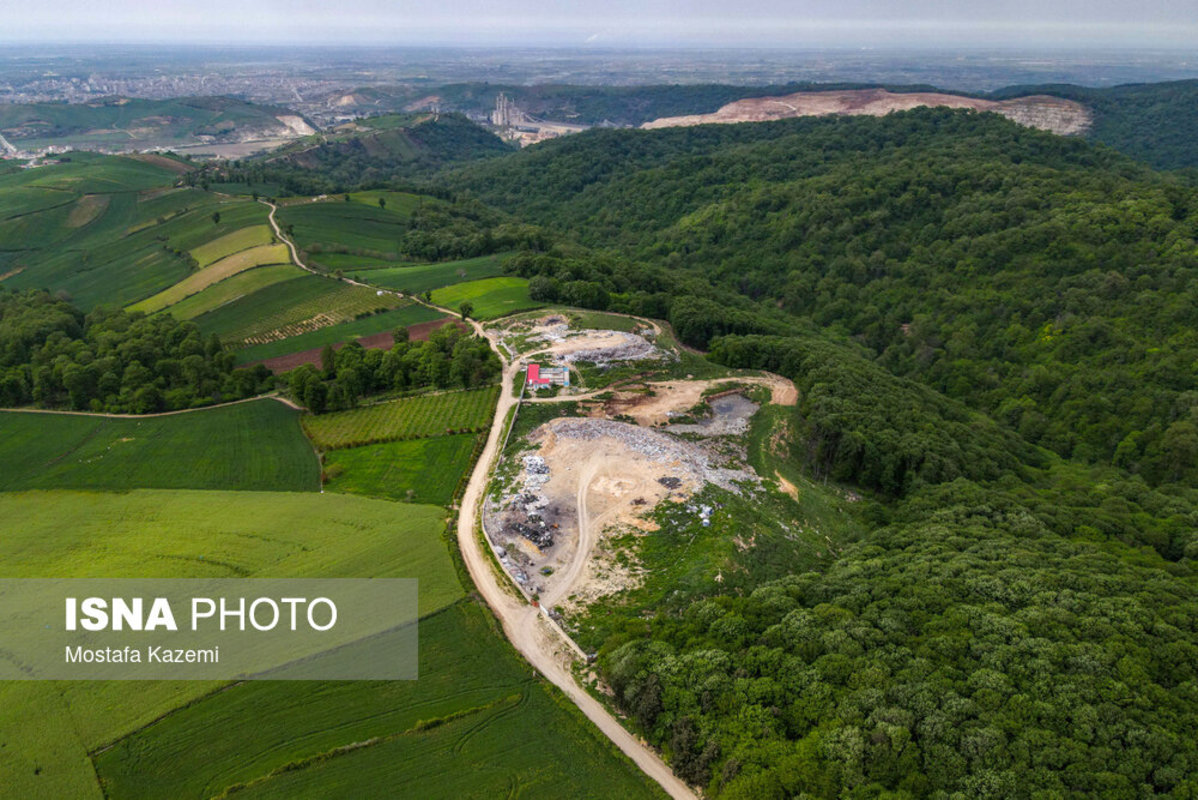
[(230, 289), (218, 271), (491, 297), (422, 277), (300, 305), (249, 446), (231, 243), (409, 418)]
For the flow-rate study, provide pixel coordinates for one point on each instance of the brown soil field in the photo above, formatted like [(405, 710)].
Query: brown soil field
[(1038, 111), (377, 341)]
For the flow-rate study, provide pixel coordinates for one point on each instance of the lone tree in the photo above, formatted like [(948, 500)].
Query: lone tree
[(382, 202), (215, 217), (467, 309), (401, 334)]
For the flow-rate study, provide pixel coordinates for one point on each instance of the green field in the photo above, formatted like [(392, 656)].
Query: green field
[(48, 730), (491, 297), (416, 471), (409, 418), (477, 724), (257, 445), (348, 261), (231, 243), (423, 277), (297, 306), (335, 224), (230, 289), (214, 273), (413, 314), (120, 233)]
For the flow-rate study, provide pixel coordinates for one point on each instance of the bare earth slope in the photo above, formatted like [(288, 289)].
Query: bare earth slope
[(1053, 114)]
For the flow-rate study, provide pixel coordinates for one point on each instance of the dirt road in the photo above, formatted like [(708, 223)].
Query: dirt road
[(523, 624)]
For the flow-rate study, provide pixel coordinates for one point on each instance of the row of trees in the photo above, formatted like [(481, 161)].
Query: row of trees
[(54, 356), (450, 357)]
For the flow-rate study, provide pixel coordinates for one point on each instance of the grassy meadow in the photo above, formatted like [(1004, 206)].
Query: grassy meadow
[(423, 277), (491, 297)]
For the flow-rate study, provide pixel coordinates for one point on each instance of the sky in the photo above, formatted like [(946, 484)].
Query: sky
[(1143, 24)]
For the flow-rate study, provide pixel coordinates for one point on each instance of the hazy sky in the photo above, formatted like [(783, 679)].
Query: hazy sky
[(773, 23)]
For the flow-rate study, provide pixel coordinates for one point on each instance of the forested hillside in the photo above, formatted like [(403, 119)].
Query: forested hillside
[(368, 153), (993, 336), (1046, 282), (1154, 122)]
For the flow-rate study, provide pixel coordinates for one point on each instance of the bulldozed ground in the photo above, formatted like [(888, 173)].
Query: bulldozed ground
[(588, 468), (553, 337), (1048, 113)]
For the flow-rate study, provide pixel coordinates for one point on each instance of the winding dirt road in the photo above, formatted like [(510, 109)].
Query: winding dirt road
[(522, 623)]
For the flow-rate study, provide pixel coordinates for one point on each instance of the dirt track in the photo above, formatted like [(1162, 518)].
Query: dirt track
[(522, 623)]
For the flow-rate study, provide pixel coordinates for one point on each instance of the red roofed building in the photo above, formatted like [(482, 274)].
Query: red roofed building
[(539, 378)]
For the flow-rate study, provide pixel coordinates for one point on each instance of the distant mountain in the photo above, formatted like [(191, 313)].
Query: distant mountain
[(122, 123), (371, 152), (1043, 111)]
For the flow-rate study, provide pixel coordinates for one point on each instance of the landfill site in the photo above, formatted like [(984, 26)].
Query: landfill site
[(579, 481)]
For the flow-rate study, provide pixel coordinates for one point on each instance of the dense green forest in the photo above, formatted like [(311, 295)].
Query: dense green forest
[(1154, 122), (1046, 282), (387, 151), (54, 356), (992, 331), (449, 358)]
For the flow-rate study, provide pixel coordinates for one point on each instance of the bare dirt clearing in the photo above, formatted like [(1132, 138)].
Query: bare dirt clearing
[(553, 337), (587, 476), (1048, 113)]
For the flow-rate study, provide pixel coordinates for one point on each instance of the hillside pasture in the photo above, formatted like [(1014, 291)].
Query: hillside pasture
[(300, 305), (491, 297), (407, 418), (230, 289), (19, 201), (416, 471), (231, 243), (334, 224), (247, 446), (259, 256), (423, 277)]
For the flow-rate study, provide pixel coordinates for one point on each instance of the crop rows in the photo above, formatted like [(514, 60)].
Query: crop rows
[(215, 273), (409, 418), (340, 302)]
